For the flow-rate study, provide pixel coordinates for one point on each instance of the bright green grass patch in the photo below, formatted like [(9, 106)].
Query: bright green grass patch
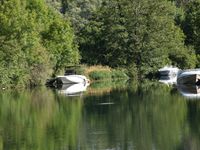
[(99, 72), (107, 75), (119, 73), (100, 75)]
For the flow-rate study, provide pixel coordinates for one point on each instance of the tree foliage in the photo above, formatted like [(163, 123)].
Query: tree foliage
[(25, 58), (79, 11), (39, 38), (59, 40), (124, 33), (191, 24)]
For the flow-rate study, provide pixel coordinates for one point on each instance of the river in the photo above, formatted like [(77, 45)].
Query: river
[(108, 116)]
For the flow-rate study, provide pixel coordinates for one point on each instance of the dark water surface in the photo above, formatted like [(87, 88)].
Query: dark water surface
[(108, 116)]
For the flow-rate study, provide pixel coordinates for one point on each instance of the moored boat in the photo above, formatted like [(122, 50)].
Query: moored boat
[(189, 77), (72, 79), (169, 80), (168, 71), (67, 79)]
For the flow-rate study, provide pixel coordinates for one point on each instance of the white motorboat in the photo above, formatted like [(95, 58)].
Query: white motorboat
[(73, 89), (67, 79), (71, 79), (169, 71), (169, 80), (189, 77)]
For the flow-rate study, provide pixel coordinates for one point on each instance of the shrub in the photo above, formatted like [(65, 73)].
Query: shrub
[(119, 73), (105, 73), (100, 75)]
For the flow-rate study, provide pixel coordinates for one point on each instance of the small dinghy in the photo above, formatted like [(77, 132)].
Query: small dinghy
[(189, 77)]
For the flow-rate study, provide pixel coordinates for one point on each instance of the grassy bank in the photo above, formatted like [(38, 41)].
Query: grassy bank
[(95, 73)]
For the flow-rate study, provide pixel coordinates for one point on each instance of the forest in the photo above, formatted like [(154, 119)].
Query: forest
[(40, 38)]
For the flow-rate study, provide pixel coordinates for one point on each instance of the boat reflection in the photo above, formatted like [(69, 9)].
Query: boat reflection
[(189, 91), (72, 89)]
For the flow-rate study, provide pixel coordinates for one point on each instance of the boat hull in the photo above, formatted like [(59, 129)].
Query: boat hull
[(191, 79), (71, 79)]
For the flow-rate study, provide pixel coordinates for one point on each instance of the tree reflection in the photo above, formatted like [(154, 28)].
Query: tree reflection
[(139, 116), (36, 120), (146, 118), (191, 140)]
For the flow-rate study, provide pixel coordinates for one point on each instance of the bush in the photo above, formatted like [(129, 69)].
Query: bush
[(119, 73), (100, 75), (132, 71), (105, 73)]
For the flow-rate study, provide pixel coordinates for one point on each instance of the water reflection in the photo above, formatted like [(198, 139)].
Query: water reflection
[(188, 91), (143, 116), (139, 119), (38, 120), (72, 89), (103, 87)]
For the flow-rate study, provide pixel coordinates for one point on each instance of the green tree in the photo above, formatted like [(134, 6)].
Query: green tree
[(25, 58), (59, 40), (79, 11), (13, 62), (135, 33), (191, 26)]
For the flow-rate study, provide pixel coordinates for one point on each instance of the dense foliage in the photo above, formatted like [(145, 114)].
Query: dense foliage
[(39, 38), (135, 33), (141, 34), (191, 26), (35, 42)]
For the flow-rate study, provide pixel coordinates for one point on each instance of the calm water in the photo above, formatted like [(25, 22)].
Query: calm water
[(109, 116)]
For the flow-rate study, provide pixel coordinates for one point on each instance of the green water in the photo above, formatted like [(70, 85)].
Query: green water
[(109, 116)]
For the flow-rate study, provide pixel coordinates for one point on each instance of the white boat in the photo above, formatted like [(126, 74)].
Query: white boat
[(189, 77), (169, 80), (71, 79), (169, 71), (73, 89)]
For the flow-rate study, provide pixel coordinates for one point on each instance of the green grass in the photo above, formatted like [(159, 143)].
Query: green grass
[(99, 72), (107, 74), (119, 73), (100, 75)]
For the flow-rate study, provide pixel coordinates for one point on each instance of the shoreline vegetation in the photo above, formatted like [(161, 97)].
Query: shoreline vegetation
[(116, 39), (99, 73)]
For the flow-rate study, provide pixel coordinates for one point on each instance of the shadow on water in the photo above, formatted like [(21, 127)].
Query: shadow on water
[(110, 115)]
